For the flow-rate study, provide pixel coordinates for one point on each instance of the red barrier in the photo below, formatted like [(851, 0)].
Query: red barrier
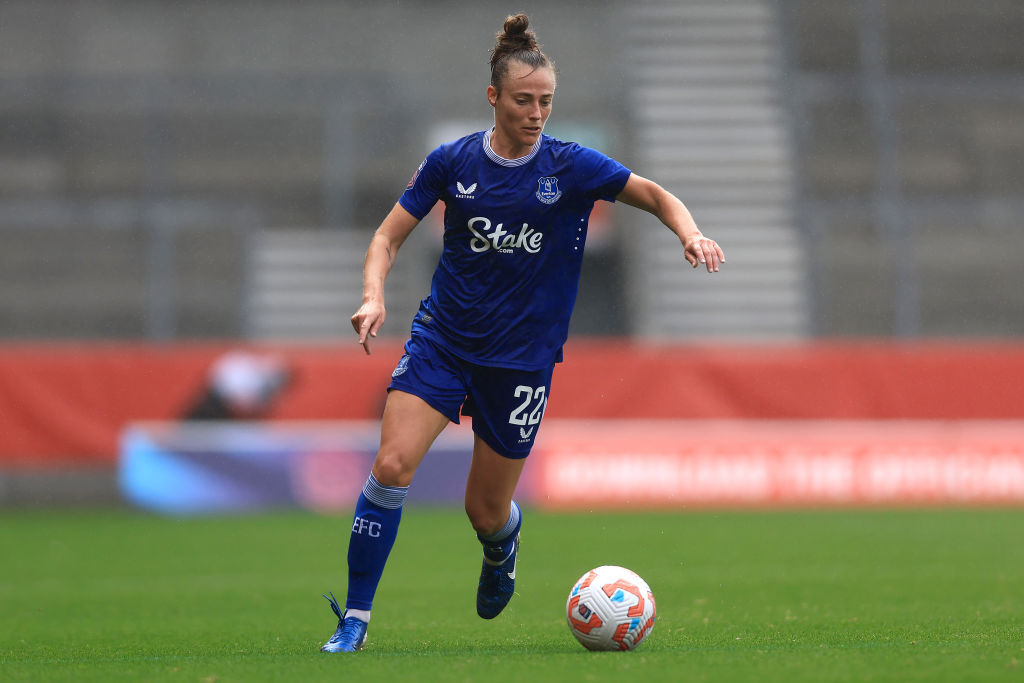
[(827, 380), (61, 403)]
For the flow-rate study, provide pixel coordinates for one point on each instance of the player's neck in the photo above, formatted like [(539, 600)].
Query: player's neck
[(506, 148)]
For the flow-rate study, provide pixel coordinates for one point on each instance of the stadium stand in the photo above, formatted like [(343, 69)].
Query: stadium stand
[(143, 146)]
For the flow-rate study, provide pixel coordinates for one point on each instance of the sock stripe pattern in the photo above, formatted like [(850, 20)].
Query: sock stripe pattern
[(510, 525), (389, 497), (499, 546), (374, 529)]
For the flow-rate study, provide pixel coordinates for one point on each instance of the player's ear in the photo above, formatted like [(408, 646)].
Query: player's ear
[(492, 95)]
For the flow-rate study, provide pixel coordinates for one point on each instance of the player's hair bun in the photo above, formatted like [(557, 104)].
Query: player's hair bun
[(516, 35), (515, 41)]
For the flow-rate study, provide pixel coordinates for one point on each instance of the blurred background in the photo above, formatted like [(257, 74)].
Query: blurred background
[(178, 179)]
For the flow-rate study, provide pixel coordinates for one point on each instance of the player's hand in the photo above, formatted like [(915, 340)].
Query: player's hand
[(367, 321), (701, 249)]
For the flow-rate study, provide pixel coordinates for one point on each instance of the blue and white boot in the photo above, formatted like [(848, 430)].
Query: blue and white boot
[(497, 584), (350, 635)]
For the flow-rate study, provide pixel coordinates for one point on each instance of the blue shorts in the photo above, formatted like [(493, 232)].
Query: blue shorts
[(506, 405)]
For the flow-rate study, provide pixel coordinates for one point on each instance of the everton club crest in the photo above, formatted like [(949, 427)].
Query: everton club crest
[(547, 190)]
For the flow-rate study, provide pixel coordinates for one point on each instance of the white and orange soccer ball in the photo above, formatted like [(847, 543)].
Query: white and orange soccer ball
[(610, 608)]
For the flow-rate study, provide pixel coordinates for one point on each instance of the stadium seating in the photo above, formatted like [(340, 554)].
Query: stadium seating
[(139, 148)]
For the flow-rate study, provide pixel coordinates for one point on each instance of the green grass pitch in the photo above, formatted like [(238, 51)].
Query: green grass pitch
[(851, 595)]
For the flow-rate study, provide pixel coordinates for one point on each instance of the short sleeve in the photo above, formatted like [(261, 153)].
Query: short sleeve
[(600, 176), (426, 185)]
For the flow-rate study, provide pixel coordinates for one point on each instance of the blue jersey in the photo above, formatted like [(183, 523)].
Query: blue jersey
[(514, 232)]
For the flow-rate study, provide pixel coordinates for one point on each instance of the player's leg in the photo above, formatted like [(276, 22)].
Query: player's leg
[(489, 489), (507, 407), (496, 518), (408, 427), (425, 393)]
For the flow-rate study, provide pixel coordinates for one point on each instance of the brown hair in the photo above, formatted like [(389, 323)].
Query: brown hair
[(516, 41)]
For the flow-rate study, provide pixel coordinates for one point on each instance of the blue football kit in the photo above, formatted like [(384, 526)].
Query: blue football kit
[(506, 283), (486, 339)]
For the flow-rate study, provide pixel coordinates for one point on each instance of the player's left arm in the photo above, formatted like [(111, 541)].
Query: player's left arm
[(653, 198)]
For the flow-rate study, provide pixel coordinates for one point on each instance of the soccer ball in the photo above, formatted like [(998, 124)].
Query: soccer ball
[(610, 608)]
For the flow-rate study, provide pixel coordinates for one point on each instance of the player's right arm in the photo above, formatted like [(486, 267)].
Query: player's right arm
[(380, 256)]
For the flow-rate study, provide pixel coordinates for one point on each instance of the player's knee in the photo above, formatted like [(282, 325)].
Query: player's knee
[(390, 469)]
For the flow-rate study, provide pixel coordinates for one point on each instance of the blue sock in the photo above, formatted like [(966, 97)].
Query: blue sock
[(374, 529), (498, 546)]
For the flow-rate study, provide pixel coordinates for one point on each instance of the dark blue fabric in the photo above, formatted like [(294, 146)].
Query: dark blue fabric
[(514, 232), (374, 529)]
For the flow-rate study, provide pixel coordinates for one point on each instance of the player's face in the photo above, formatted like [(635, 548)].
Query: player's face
[(521, 108)]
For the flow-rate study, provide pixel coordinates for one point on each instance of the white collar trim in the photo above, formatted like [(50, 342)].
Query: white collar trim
[(498, 159)]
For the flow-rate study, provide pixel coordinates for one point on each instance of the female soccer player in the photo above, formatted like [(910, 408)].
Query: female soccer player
[(486, 339)]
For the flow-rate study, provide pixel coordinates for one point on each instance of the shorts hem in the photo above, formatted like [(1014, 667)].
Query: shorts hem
[(426, 399), (510, 455)]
